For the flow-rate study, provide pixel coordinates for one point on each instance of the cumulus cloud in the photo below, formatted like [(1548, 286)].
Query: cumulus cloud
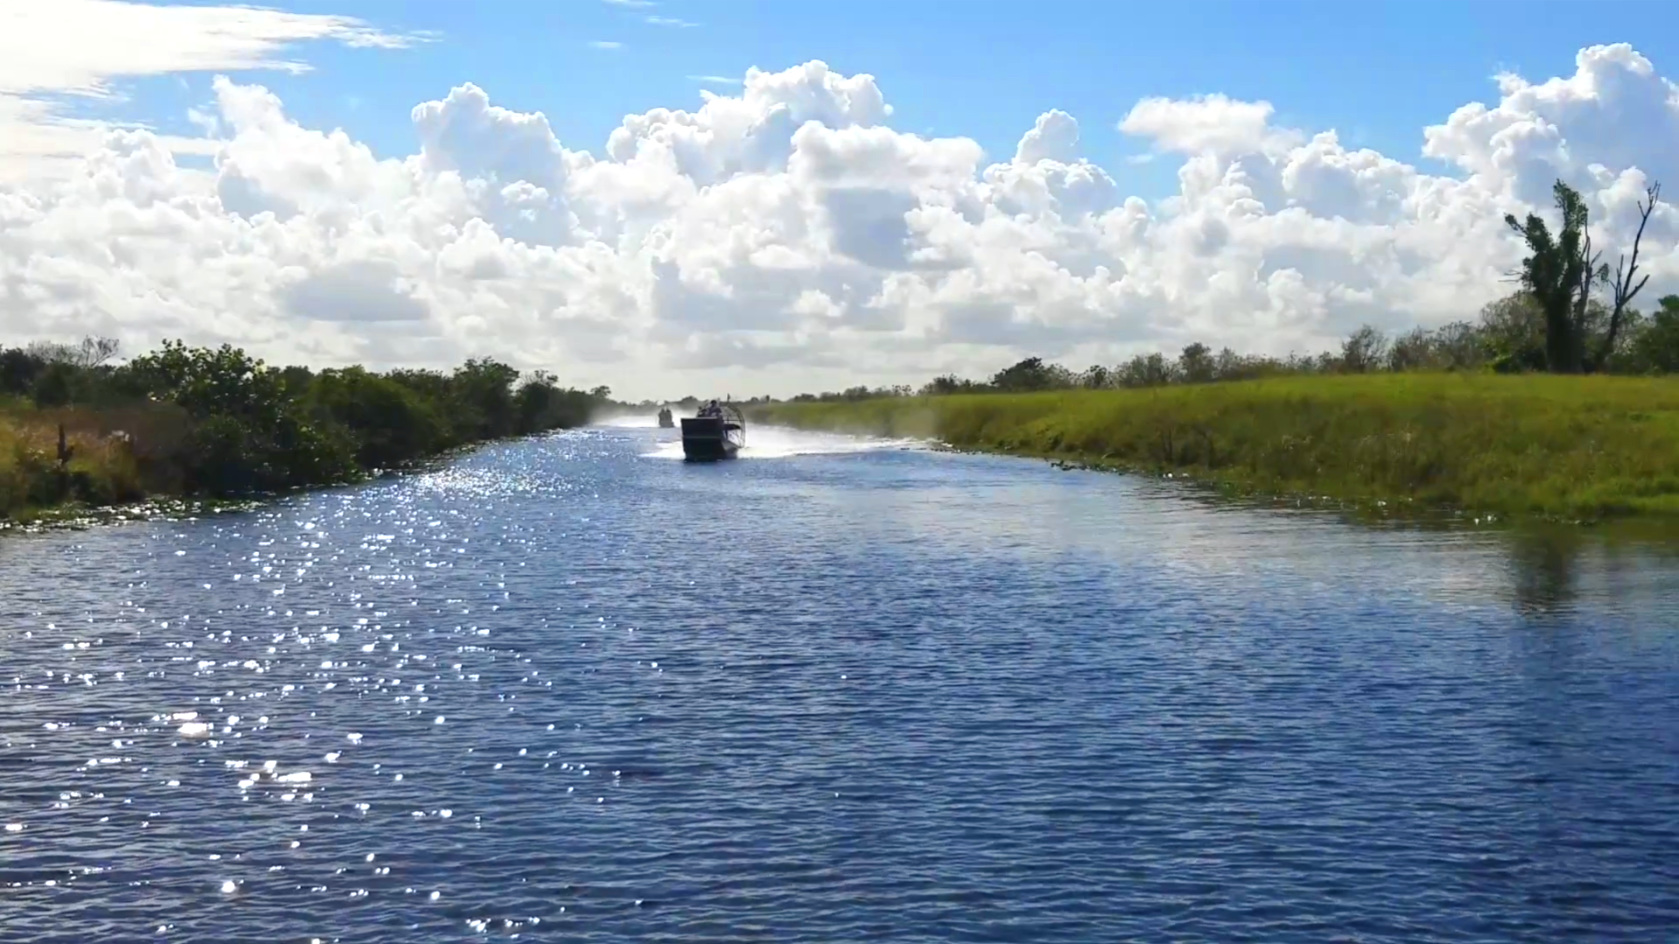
[(78, 48), (1613, 114), (786, 237), (1213, 123), (1054, 136)]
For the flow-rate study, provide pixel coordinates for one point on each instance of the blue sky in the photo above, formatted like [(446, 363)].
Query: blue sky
[(1377, 73), (872, 258)]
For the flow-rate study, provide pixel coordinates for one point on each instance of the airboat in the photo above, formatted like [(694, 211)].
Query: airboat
[(718, 431)]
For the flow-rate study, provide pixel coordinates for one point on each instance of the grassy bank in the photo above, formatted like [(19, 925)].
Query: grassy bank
[(1527, 445), (217, 425)]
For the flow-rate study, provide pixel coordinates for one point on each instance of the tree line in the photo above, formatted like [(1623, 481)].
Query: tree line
[(218, 422), (1570, 314)]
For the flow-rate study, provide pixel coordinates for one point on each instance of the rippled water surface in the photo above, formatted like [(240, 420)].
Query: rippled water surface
[(571, 690)]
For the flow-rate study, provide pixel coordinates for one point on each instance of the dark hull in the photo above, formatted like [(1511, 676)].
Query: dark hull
[(708, 439)]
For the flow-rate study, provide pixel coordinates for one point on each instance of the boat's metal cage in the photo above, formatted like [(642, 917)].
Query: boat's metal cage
[(733, 417), (714, 435)]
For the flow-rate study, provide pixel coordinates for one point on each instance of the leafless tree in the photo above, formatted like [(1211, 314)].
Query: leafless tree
[(88, 353), (1626, 270)]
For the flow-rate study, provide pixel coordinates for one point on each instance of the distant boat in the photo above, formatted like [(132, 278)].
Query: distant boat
[(665, 421), (718, 431)]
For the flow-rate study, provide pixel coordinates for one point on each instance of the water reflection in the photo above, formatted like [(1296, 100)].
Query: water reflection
[(1616, 570), (1545, 570), (1145, 529)]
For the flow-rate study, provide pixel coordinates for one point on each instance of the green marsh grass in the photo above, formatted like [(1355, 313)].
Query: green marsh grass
[(1523, 446)]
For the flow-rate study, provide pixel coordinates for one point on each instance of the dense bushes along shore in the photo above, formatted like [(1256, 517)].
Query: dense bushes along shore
[(1533, 445), (215, 422)]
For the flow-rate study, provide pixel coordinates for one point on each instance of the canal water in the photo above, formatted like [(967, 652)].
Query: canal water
[(572, 689)]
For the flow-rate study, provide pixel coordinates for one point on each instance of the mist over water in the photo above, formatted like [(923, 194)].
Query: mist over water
[(629, 421), (562, 691), (766, 442)]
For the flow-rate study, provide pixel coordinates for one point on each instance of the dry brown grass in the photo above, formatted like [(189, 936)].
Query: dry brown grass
[(103, 468)]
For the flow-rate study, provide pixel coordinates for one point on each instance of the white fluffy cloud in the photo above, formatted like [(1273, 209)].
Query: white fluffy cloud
[(78, 48), (786, 237)]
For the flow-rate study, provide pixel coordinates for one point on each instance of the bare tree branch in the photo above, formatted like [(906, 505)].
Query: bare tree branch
[(1626, 270), (94, 351), (1588, 276)]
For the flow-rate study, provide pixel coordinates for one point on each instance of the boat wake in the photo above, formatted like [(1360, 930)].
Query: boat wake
[(779, 442)]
